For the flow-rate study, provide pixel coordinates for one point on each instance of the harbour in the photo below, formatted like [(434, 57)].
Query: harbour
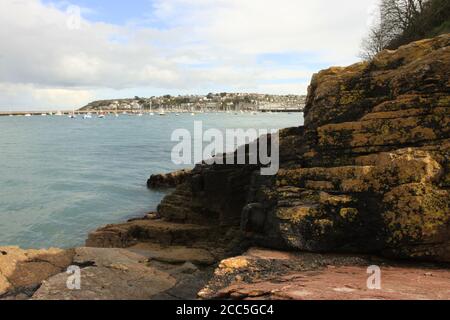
[(132, 112)]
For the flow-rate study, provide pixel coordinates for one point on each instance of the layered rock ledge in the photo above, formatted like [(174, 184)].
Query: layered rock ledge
[(369, 171)]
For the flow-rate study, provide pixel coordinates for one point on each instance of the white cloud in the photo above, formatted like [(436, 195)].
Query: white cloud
[(28, 97), (332, 28), (205, 44)]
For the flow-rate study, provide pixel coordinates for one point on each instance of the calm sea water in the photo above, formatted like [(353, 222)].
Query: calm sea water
[(61, 178)]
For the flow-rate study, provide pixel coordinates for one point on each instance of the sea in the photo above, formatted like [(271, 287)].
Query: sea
[(61, 178)]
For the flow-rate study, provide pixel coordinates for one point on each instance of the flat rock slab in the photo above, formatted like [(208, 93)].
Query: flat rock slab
[(174, 254), (109, 274), (21, 269), (265, 274), (100, 283), (106, 257)]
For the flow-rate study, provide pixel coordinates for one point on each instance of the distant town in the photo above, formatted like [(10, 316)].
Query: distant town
[(212, 102), (232, 102)]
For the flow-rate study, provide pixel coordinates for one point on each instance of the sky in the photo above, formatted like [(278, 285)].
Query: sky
[(63, 54)]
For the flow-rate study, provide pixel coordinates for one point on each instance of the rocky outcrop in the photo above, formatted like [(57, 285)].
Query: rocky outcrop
[(199, 244), (169, 180), (368, 172)]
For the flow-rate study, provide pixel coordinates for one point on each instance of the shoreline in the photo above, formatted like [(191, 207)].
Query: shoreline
[(177, 269), (110, 172)]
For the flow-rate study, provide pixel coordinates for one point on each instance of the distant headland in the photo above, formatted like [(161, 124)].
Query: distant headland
[(210, 102)]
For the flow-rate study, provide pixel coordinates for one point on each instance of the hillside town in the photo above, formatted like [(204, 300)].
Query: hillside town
[(232, 102)]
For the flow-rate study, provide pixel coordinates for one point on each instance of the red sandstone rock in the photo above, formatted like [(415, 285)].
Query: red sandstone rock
[(263, 274)]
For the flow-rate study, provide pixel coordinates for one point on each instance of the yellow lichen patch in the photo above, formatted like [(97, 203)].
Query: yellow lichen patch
[(444, 101), (409, 53), (423, 133), (349, 97), (323, 225), (340, 73), (394, 114), (319, 185), (334, 200), (233, 264), (310, 154), (403, 102), (289, 191), (376, 172), (282, 182), (417, 212), (296, 214), (322, 174), (379, 131), (4, 285), (329, 129), (401, 167), (349, 214), (354, 185)]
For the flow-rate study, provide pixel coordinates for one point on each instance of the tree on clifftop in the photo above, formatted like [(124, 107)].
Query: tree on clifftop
[(404, 21)]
